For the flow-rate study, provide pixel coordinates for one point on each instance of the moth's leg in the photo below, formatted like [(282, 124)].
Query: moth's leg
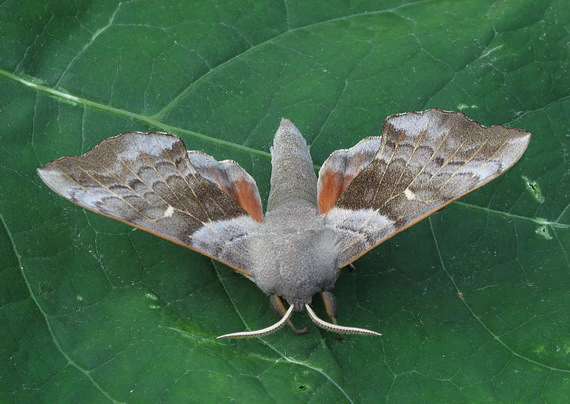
[(279, 308), (330, 305)]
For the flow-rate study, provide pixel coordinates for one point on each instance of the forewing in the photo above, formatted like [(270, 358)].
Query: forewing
[(426, 160), (147, 180)]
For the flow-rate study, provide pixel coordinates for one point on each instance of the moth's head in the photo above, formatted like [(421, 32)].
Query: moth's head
[(296, 266)]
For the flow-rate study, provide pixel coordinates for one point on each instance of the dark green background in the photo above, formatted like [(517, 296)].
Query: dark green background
[(473, 303)]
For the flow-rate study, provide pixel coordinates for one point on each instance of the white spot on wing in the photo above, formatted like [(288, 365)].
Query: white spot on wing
[(169, 211), (409, 194)]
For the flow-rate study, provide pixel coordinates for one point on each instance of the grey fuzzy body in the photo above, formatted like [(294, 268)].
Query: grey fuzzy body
[(293, 252)]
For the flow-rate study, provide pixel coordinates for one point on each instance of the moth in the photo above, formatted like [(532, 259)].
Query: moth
[(313, 226)]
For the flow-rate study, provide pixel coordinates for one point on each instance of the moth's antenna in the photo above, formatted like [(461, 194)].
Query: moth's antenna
[(262, 332), (337, 328)]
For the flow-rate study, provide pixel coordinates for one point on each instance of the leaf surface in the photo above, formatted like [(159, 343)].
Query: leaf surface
[(473, 303)]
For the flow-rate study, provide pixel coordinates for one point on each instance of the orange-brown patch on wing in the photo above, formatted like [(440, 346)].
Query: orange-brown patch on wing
[(332, 186), (341, 168), (246, 196)]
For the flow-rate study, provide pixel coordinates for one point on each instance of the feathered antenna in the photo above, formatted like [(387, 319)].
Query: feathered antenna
[(337, 328), (262, 332)]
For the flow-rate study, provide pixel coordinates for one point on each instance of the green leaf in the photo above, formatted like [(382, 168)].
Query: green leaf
[(473, 303)]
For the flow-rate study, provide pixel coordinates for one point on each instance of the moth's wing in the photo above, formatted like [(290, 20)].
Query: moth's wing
[(230, 178), (425, 161), (150, 181), (342, 166)]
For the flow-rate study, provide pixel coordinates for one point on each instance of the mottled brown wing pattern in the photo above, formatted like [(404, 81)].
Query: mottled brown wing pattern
[(426, 160), (148, 181)]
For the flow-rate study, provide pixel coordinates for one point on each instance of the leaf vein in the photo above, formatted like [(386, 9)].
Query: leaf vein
[(46, 317), (478, 319)]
